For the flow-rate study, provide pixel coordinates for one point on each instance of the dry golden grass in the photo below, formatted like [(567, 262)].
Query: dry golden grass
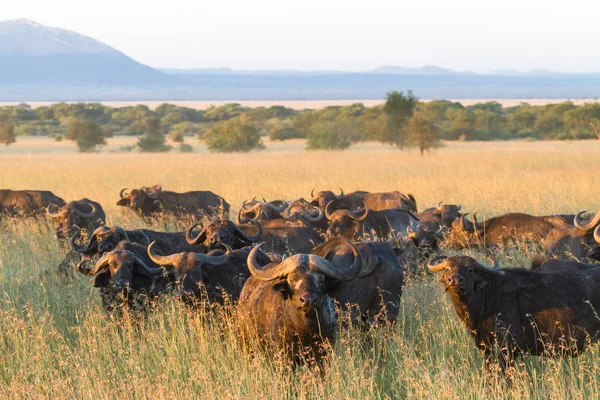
[(55, 342)]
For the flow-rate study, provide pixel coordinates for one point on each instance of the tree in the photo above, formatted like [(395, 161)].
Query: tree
[(7, 132), (585, 118), (87, 134), (399, 108), (153, 139), (233, 135), (328, 135), (177, 137), (421, 132)]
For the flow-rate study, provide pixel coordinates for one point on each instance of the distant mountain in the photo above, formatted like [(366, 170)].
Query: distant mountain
[(33, 53), (426, 70)]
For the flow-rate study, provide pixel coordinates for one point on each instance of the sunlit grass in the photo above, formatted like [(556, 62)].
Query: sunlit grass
[(56, 342)]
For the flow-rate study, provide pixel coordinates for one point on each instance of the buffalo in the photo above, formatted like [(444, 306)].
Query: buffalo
[(510, 312), (220, 232), (286, 305), (374, 224), (572, 241), (442, 215), (218, 276), (355, 200), (152, 202), (126, 278), (27, 203), (76, 215), (261, 210), (374, 295), (504, 230)]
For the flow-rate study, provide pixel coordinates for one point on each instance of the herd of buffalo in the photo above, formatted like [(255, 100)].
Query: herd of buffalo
[(291, 266)]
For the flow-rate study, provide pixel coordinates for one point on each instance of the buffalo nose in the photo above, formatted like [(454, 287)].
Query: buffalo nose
[(307, 300), (455, 280)]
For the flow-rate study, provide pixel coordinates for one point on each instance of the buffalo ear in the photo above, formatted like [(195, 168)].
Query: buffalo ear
[(398, 251), (157, 188), (123, 202), (102, 280)]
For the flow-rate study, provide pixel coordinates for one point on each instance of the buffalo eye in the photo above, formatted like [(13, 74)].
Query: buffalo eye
[(470, 270)]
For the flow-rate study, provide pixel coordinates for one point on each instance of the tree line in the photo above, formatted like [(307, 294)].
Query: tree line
[(402, 121)]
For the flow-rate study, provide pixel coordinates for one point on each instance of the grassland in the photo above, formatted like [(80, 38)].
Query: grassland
[(55, 341)]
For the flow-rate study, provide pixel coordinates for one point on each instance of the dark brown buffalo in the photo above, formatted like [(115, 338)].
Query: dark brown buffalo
[(27, 203), (545, 264), (151, 202), (127, 278), (355, 200), (77, 215), (286, 306), (572, 241), (283, 236), (504, 230), (217, 275), (510, 312), (302, 210), (443, 215), (374, 295), (218, 233), (261, 210), (105, 239), (372, 224)]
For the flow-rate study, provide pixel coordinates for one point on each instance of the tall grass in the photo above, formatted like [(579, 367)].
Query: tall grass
[(56, 342)]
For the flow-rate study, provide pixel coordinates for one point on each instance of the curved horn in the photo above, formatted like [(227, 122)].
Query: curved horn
[(463, 225), (310, 218), (198, 239), (495, 265), (279, 209), (341, 195), (320, 264), (50, 213), (312, 193), (90, 242), (597, 234), (100, 264), (439, 206), (475, 222), (256, 236), (148, 270), (122, 232), (362, 217), (122, 193), (577, 221), (459, 207), (238, 219), (214, 260), (271, 271), (436, 264), (163, 260), (87, 215), (328, 213)]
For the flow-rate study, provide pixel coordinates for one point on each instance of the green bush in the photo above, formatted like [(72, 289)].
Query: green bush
[(176, 136), (185, 148), (327, 135), (234, 135), (58, 138)]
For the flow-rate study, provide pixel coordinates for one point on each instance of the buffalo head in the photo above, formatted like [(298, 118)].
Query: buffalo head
[(189, 269), (74, 216), (322, 198), (345, 222), (144, 200), (220, 232)]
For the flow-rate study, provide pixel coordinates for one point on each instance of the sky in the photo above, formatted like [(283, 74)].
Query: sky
[(342, 35)]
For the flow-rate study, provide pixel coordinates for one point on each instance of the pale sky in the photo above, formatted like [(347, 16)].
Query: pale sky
[(335, 34)]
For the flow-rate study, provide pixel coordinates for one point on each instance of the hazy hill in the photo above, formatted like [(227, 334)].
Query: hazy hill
[(34, 53), (39, 63)]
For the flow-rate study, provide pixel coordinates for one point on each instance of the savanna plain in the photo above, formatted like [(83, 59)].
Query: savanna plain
[(56, 341)]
